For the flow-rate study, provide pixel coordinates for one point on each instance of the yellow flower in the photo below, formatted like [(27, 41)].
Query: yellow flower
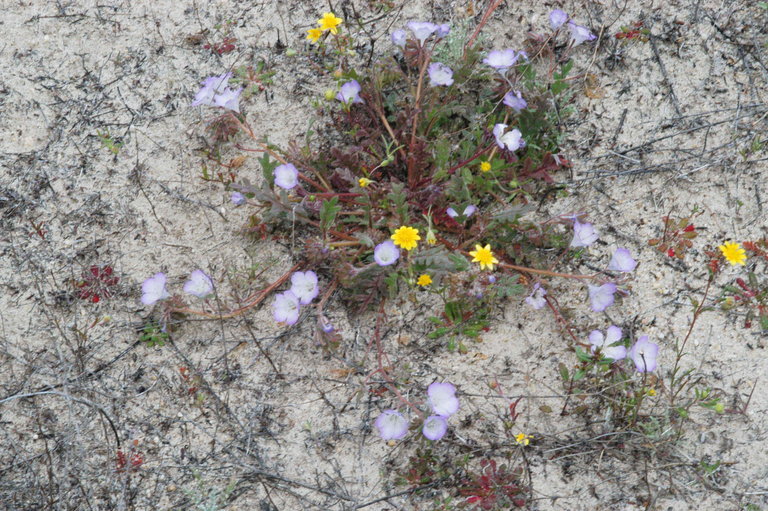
[(364, 181), (484, 256), (485, 166), (313, 34), (406, 237), (651, 392), (329, 21), (424, 280), (523, 439), (733, 253)]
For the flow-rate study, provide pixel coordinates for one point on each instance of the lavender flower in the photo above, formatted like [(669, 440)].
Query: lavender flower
[(434, 427), (557, 19), (286, 176), (580, 34), (286, 308), (601, 297), (326, 325), (350, 93), (515, 101), (386, 253), (442, 399), (211, 86), (398, 38), (199, 284), (422, 30), (304, 286), (622, 261), (468, 211), (392, 425), (511, 140), (501, 60), (536, 298), (583, 234), (440, 74), (237, 198), (443, 30), (643, 354), (229, 99), (604, 343), (153, 289)]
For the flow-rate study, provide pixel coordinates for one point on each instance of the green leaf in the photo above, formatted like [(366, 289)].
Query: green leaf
[(460, 263), (268, 168), (563, 371), (328, 212), (582, 355)]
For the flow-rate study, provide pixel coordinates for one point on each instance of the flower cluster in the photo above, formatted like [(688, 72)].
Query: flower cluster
[(579, 34), (215, 92), (643, 353), (328, 22), (393, 425), (287, 305), (153, 289)]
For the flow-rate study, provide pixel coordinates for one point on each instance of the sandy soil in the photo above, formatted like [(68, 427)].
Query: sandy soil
[(669, 127)]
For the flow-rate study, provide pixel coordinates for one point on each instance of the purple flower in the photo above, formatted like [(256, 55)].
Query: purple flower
[(604, 343), (422, 29), (511, 140), (153, 289), (435, 427), (442, 399), (491, 279), (443, 30), (643, 354), (580, 34), (440, 74), (237, 198), (583, 234), (286, 176), (622, 261), (398, 38), (199, 284), (326, 325), (304, 286), (229, 99), (211, 86), (601, 297), (350, 93), (501, 60), (536, 298), (392, 425), (386, 253), (286, 308), (557, 19), (515, 101), (468, 211)]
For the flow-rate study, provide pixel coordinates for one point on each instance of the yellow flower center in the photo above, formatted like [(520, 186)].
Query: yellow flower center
[(406, 237)]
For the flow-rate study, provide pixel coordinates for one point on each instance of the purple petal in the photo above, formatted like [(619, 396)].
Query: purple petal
[(580, 34), (435, 427), (583, 234), (153, 289), (399, 38), (643, 354), (286, 308), (515, 101), (422, 30), (439, 74), (286, 176), (392, 425), (199, 284), (536, 298), (304, 286), (601, 297), (349, 93), (386, 253), (557, 19), (442, 399), (622, 261), (237, 198), (443, 30), (501, 60)]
